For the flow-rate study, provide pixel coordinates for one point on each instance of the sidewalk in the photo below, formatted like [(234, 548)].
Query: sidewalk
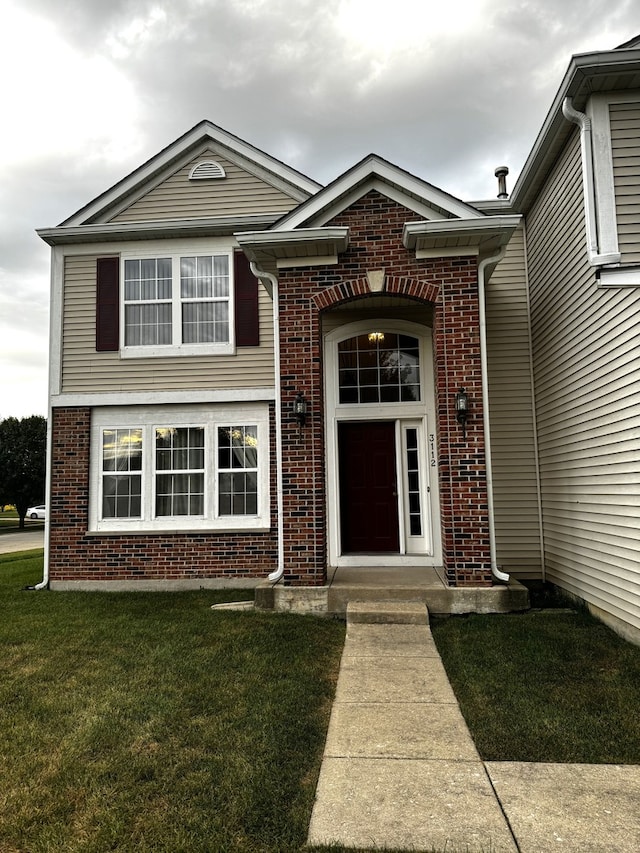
[(25, 540), (400, 769)]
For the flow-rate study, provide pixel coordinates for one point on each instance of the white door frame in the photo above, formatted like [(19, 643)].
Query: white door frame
[(420, 414)]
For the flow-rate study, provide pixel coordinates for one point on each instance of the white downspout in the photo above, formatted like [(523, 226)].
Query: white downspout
[(265, 277), (44, 583), (482, 266), (586, 148)]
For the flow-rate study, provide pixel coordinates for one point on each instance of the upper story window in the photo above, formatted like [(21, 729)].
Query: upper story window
[(198, 298), (177, 301), (379, 367)]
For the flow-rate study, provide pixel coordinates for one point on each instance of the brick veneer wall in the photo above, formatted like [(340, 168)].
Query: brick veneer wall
[(375, 242), (74, 555)]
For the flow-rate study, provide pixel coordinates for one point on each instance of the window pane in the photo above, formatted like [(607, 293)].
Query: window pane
[(121, 496), (379, 367), (238, 484)]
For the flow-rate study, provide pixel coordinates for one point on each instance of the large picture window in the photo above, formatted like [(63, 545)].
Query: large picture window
[(194, 467)]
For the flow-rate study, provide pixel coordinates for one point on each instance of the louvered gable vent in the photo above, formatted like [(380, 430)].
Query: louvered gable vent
[(207, 170)]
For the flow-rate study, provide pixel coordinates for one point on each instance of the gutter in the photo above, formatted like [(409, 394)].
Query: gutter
[(44, 583), (482, 268), (270, 282)]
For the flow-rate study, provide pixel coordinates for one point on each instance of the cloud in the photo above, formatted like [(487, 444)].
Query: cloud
[(447, 91)]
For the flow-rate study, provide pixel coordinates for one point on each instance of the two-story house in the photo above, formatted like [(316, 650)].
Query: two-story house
[(255, 378)]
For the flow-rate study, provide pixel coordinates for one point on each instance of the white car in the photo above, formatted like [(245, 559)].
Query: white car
[(37, 511)]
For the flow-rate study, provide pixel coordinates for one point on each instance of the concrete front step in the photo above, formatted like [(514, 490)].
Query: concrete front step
[(387, 612)]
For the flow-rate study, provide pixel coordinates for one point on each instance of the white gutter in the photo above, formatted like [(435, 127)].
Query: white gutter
[(482, 267), (270, 281)]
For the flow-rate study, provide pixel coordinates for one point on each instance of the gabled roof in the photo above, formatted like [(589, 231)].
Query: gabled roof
[(297, 185), (375, 173)]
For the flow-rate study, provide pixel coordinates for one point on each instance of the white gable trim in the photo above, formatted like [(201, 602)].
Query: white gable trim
[(299, 184), (374, 173)]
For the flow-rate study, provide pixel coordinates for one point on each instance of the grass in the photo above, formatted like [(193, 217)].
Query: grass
[(544, 686), (147, 722)]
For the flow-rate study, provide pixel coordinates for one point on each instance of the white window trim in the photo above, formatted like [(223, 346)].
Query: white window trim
[(150, 417), (168, 249), (421, 412)]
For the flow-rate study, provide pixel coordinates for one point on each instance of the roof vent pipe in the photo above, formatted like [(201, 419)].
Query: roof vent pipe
[(501, 174)]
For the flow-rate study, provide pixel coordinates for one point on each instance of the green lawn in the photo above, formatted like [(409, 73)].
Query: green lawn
[(148, 722), (138, 722), (549, 685)]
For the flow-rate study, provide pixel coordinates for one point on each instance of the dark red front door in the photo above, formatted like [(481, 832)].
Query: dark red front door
[(368, 491)]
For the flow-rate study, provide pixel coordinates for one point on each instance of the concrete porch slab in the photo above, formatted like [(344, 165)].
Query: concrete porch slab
[(409, 583)]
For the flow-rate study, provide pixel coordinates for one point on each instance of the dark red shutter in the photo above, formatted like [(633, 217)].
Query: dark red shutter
[(108, 305), (246, 299)]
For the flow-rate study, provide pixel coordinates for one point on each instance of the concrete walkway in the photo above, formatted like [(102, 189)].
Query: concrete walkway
[(400, 769), (25, 540)]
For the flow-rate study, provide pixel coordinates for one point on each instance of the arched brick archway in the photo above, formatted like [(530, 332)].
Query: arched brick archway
[(344, 291)]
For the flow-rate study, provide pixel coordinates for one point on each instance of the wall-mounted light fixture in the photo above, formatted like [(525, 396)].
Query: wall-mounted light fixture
[(462, 410), (300, 409)]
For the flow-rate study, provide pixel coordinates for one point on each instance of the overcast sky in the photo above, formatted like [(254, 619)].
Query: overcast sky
[(92, 88)]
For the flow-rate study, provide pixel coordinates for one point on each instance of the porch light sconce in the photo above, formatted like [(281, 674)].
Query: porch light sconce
[(300, 409), (462, 410)]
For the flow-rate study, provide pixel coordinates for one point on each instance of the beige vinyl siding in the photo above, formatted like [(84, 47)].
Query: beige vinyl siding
[(625, 145), (239, 193), (84, 370), (516, 498), (587, 381)]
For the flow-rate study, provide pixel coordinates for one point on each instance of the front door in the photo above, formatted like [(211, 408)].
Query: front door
[(368, 487)]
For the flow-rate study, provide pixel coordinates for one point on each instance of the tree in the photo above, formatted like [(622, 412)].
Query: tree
[(23, 452)]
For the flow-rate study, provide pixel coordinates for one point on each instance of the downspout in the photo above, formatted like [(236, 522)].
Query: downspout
[(270, 282), (44, 583), (482, 267), (586, 148)]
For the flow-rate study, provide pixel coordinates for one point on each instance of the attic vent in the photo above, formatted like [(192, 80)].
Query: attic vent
[(207, 170)]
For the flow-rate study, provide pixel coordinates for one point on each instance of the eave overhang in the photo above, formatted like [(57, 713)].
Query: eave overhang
[(166, 229), (482, 237), (587, 74), (272, 250)]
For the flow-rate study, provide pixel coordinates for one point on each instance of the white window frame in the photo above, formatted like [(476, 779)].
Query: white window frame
[(148, 418), (175, 251)]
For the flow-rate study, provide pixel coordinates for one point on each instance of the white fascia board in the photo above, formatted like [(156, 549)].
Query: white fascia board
[(162, 398), (165, 228), (481, 228), (371, 168), (200, 133), (275, 243)]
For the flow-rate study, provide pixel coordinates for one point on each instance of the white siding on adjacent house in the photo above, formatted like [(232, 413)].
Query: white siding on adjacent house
[(587, 380), (625, 147), (85, 370), (239, 193), (516, 499)]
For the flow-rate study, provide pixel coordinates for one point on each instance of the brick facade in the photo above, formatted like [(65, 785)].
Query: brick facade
[(375, 242), (76, 555)]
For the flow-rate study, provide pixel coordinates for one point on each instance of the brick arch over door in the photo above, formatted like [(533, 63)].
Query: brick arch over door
[(394, 284)]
